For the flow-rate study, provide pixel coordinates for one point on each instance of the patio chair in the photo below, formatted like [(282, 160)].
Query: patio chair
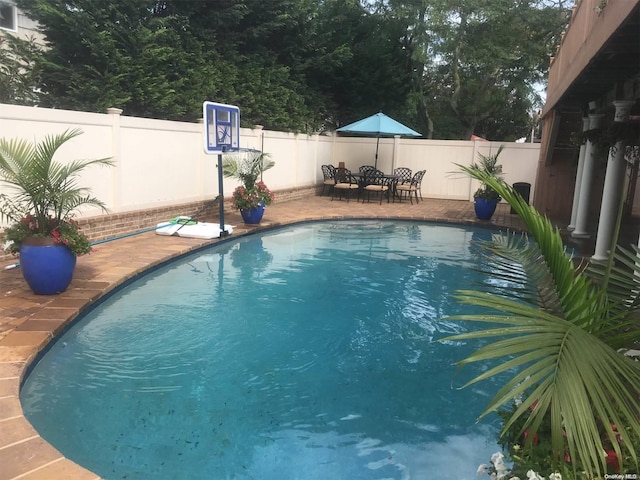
[(379, 183), (328, 172), (345, 183), (412, 189), (403, 175), (365, 169)]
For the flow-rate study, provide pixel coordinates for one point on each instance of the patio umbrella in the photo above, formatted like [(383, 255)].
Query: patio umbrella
[(379, 125)]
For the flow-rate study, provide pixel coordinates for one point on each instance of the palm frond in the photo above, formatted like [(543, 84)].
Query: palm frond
[(44, 187), (624, 277), (561, 349), (578, 388), (577, 297), (246, 166), (520, 269)]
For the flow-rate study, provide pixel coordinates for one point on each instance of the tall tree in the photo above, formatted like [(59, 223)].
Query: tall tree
[(118, 53), (364, 67), (444, 67), (18, 72), (416, 39), (163, 59), (478, 62), (490, 55)]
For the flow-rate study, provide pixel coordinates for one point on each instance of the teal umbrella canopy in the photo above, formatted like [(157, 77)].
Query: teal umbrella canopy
[(378, 125)]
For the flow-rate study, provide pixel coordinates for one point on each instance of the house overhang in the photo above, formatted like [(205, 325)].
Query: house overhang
[(591, 63), (599, 54)]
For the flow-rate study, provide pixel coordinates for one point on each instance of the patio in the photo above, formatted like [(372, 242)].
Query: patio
[(28, 322)]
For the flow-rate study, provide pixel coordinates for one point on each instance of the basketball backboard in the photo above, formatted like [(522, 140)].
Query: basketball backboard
[(221, 127)]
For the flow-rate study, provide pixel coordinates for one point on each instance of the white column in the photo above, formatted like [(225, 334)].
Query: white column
[(259, 137), (613, 187), (116, 177), (396, 148), (576, 191), (205, 161), (334, 135), (582, 215)]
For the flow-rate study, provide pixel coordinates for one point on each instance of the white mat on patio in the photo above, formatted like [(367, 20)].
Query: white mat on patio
[(200, 230)]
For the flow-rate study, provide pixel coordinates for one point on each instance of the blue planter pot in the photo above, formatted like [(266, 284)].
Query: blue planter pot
[(253, 216), (485, 208), (47, 267)]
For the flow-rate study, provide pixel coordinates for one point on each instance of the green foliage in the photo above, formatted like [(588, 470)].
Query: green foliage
[(45, 193), (18, 71), (248, 167), (488, 58), (442, 67), (489, 166), (535, 452), (245, 199), (64, 232), (561, 350)]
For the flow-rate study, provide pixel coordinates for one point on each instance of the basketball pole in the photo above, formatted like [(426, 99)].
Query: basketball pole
[(221, 133), (223, 231)]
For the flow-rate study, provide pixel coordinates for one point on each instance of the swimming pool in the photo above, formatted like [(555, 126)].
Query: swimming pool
[(305, 352)]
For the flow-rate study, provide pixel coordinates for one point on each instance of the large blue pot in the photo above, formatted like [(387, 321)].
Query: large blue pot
[(253, 215), (47, 267), (485, 208)]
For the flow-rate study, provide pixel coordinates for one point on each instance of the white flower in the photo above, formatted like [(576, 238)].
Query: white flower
[(497, 457), (482, 469), (531, 475), (555, 476)]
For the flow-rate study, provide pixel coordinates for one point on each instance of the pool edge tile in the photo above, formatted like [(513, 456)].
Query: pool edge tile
[(26, 456), (59, 469)]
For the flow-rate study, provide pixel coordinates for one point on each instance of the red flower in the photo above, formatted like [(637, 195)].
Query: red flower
[(535, 437), (612, 460)]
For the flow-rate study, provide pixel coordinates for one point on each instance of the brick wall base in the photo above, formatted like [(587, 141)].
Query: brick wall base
[(105, 227)]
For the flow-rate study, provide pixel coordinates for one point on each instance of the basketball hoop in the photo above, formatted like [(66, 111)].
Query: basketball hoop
[(222, 127)]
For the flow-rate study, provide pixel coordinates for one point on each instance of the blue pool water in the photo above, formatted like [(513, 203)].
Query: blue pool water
[(303, 353)]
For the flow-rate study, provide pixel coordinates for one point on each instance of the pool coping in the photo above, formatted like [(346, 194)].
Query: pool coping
[(24, 454)]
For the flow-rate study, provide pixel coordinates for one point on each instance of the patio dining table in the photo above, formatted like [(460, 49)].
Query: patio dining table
[(362, 177), (389, 177)]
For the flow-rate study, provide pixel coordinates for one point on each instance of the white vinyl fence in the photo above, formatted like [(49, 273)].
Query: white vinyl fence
[(162, 163)]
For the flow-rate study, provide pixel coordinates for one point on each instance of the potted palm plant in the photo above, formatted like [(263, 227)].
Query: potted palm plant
[(486, 199), (253, 195), (44, 199)]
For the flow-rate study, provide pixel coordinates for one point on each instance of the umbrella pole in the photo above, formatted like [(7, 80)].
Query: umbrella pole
[(377, 144)]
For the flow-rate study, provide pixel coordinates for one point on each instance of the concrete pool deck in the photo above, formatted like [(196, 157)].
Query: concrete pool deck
[(29, 322)]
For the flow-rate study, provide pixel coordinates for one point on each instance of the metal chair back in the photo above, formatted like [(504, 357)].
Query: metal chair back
[(403, 174), (365, 169), (328, 172)]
